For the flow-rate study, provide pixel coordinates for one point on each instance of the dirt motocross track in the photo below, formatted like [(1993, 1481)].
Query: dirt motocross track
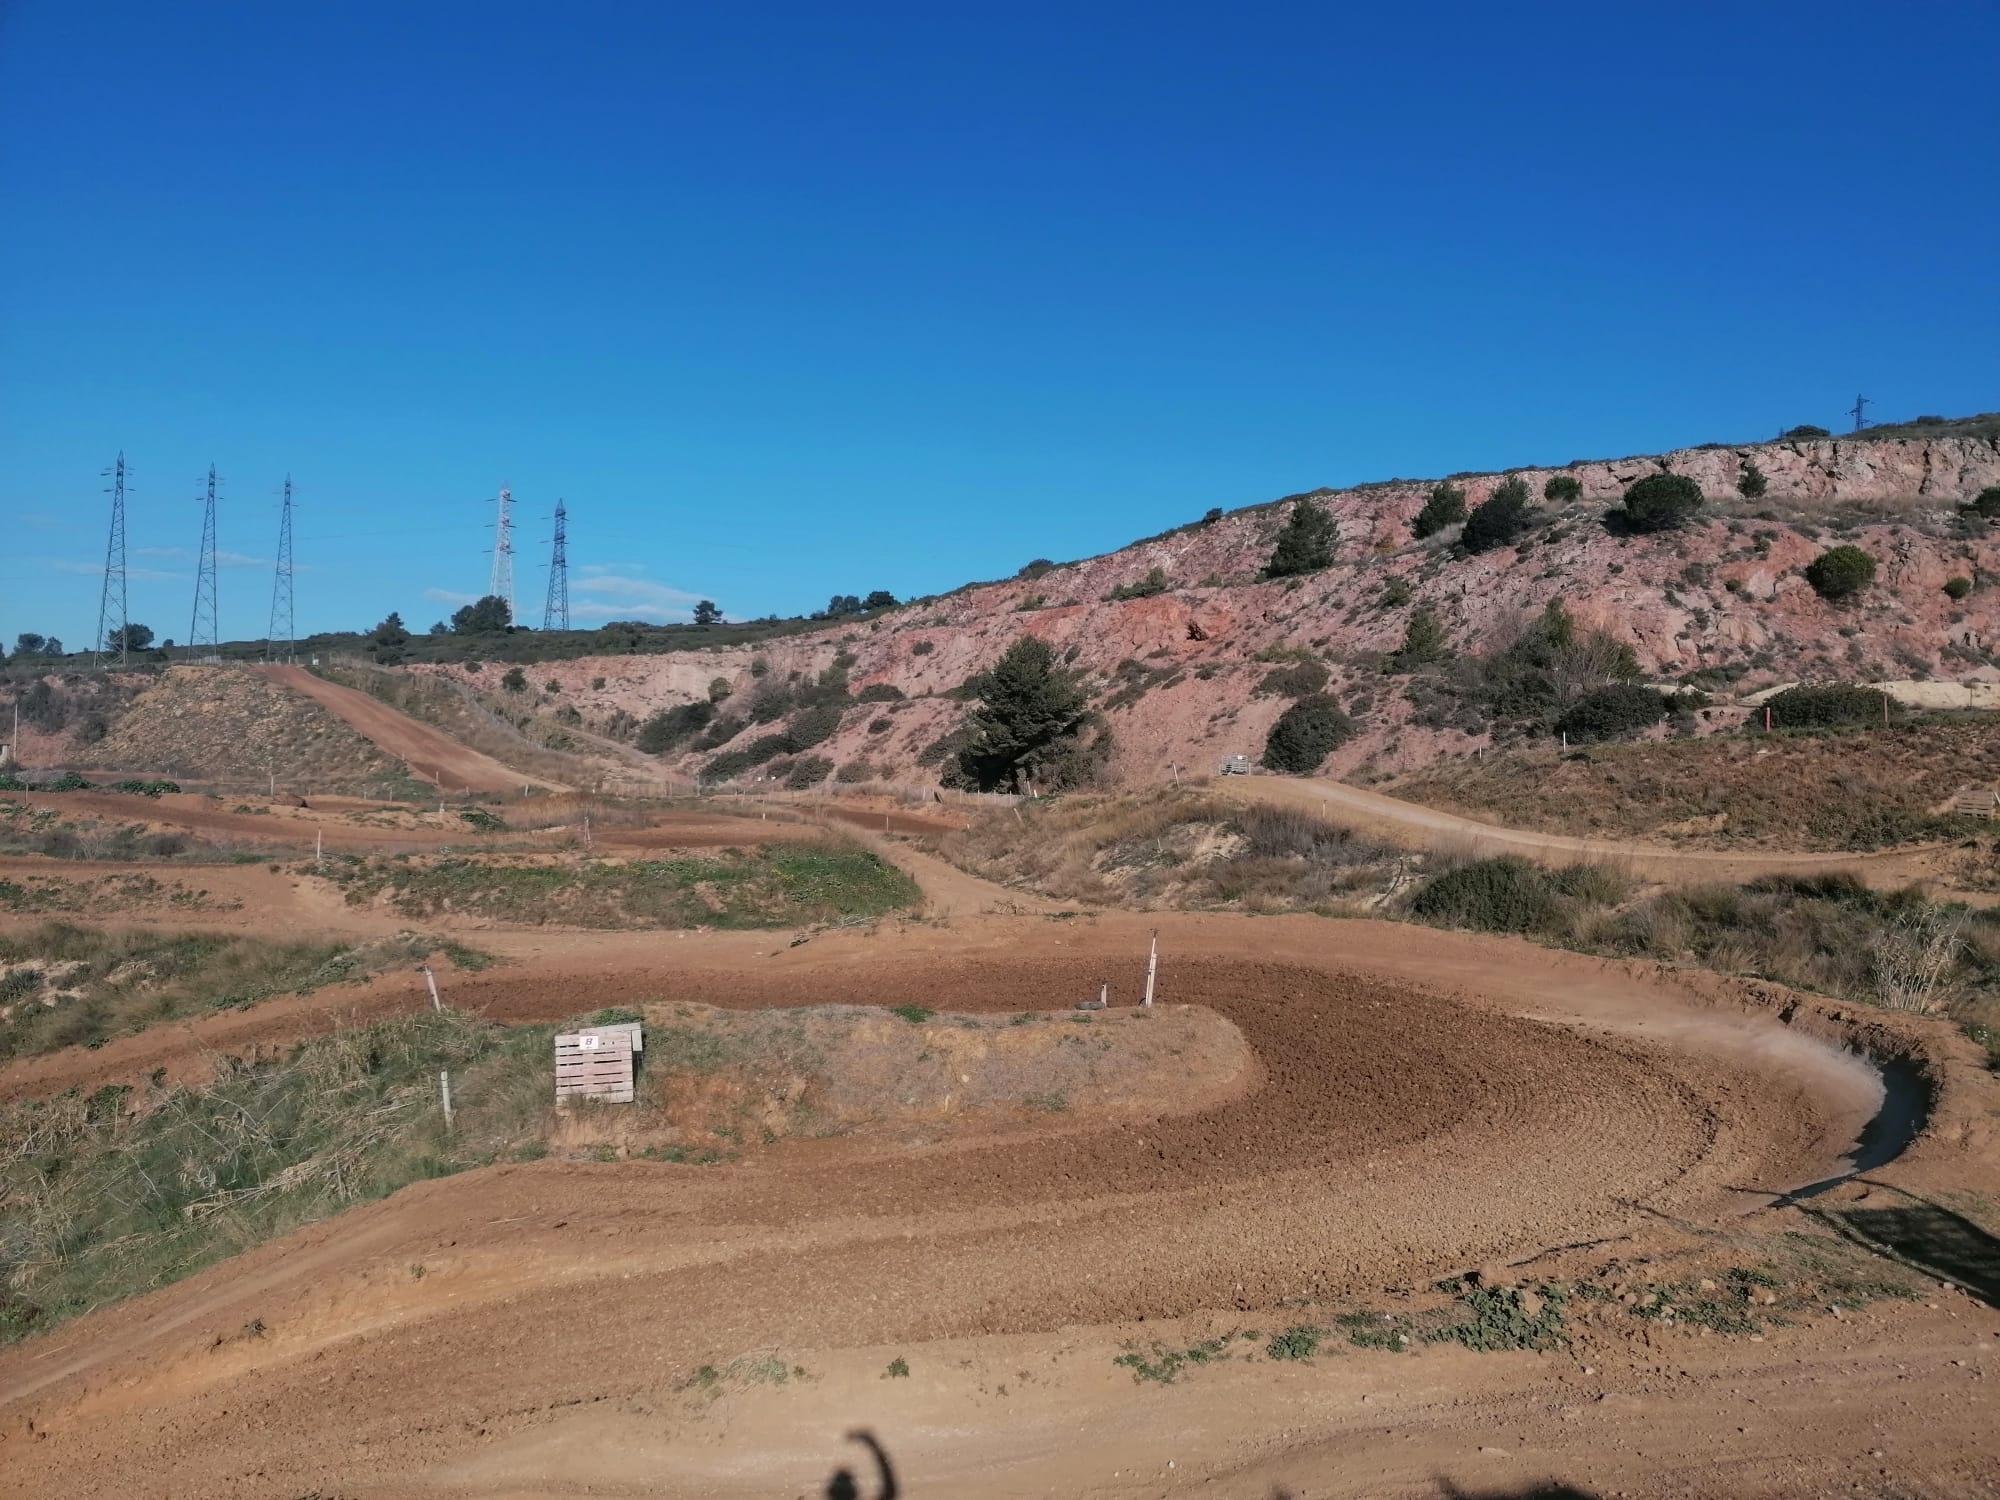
[(1423, 1103)]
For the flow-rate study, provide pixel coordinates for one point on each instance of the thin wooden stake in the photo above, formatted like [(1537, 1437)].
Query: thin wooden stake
[(1152, 967), (437, 1004), (444, 1093)]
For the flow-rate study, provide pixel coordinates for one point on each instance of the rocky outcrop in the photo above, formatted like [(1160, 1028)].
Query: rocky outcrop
[(1179, 671)]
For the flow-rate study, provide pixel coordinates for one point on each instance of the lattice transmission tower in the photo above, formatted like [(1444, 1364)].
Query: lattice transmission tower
[(502, 586), (202, 630), (111, 600), (555, 609), (281, 643)]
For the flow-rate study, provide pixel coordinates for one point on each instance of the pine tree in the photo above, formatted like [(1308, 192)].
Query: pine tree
[(1306, 543), (1028, 705)]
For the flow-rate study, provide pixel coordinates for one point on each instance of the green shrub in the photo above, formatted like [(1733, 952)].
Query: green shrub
[(673, 726), (1986, 504), (515, 680), (880, 692), (1500, 521), (1305, 734), (922, 648), (1298, 680), (1750, 480), (1957, 588), (1396, 593), (1424, 641), (1661, 502), (1491, 895), (1611, 711), (718, 689), (1446, 507), (1155, 582), (1840, 572), (1306, 543), (1824, 707), (1562, 488), (812, 726), (1806, 430), (808, 770)]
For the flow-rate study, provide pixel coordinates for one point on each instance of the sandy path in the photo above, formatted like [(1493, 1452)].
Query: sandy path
[(430, 753), (1415, 826)]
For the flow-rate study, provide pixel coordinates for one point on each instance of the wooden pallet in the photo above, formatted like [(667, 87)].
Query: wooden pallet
[(596, 1063), (1975, 802)]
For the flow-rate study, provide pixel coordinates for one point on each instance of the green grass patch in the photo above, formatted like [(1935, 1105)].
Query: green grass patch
[(778, 885), (112, 1194), (63, 985)]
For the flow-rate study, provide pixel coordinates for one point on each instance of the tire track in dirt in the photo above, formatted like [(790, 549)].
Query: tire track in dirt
[(1394, 1133), (428, 751)]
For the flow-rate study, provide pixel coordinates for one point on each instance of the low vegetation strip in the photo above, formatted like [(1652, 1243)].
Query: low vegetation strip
[(1904, 950), (1855, 789), (110, 1195), (777, 885), (63, 985)]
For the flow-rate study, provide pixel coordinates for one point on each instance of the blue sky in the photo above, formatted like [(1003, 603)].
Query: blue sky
[(791, 300)]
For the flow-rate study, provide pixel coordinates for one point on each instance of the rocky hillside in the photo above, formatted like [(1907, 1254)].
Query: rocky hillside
[(1723, 601), (229, 727)]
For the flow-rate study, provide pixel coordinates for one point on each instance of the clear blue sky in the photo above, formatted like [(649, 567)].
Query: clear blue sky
[(795, 299)]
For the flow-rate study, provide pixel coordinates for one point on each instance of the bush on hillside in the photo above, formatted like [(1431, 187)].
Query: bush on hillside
[(1424, 641), (1446, 507), (1806, 430), (1828, 707), (1305, 734), (1661, 502), (1306, 543), (1986, 503), (1611, 711), (1750, 480), (1840, 572), (808, 770), (718, 689), (515, 680), (674, 726), (1534, 678), (1490, 895), (1562, 488), (1155, 582), (812, 726), (880, 692), (1299, 680), (1498, 522), (1957, 588)]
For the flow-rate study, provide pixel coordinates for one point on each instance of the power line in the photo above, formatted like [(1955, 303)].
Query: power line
[(502, 586), (281, 588), (114, 573), (204, 579), (555, 609)]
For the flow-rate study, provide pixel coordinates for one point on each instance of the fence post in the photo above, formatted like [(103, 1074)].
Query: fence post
[(430, 979)]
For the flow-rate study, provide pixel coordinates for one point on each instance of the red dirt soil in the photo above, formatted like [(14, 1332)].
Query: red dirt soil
[(430, 753), (1401, 1128)]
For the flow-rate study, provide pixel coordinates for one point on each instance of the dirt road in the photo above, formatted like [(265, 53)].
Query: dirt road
[(1404, 1126), (430, 753), (1424, 1103), (1414, 826)]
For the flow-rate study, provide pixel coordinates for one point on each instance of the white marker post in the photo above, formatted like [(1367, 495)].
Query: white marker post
[(431, 979), (444, 1093), (319, 849), (1152, 968)]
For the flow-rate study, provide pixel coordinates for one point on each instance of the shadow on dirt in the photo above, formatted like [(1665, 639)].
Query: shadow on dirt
[(1543, 1489), (844, 1486), (1926, 1235)]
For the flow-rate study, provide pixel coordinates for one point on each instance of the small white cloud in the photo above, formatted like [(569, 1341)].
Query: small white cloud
[(446, 596), (659, 614), (238, 560), (658, 596), (180, 552), (96, 570)]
